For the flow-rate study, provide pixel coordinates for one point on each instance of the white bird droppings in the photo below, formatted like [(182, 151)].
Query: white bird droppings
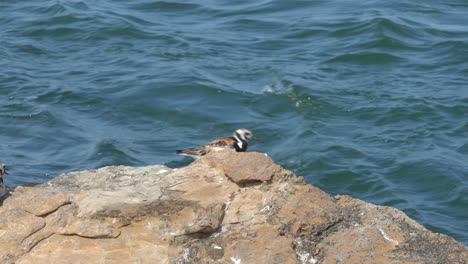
[(387, 237), (236, 260)]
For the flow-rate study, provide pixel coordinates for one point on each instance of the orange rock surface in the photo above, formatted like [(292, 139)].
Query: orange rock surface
[(227, 207)]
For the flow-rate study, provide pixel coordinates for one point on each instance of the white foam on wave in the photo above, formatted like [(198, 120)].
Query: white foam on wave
[(277, 87)]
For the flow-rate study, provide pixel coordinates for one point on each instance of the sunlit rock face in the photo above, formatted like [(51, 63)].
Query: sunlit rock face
[(227, 207)]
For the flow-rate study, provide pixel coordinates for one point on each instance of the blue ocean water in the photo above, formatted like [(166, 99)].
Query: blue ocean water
[(365, 98)]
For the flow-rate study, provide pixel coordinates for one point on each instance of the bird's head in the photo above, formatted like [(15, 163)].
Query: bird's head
[(244, 134)]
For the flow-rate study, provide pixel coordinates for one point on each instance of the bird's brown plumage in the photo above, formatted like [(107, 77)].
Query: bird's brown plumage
[(214, 145), (237, 142)]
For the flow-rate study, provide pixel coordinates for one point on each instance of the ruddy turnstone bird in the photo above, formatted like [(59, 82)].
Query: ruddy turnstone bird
[(2, 172), (237, 142)]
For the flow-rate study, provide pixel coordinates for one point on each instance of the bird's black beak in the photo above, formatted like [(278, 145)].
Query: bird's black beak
[(254, 138)]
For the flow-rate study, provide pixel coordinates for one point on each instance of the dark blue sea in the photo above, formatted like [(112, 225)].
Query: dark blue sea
[(365, 98)]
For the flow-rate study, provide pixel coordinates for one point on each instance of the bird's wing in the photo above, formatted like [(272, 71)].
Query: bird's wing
[(226, 142), (214, 145)]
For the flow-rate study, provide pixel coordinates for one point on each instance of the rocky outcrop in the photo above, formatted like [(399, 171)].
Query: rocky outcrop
[(224, 208)]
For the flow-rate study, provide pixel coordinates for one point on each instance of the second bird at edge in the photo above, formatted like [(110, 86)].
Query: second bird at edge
[(3, 171)]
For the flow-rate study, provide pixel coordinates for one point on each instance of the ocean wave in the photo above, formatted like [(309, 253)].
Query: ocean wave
[(164, 6), (366, 58), (110, 152)]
